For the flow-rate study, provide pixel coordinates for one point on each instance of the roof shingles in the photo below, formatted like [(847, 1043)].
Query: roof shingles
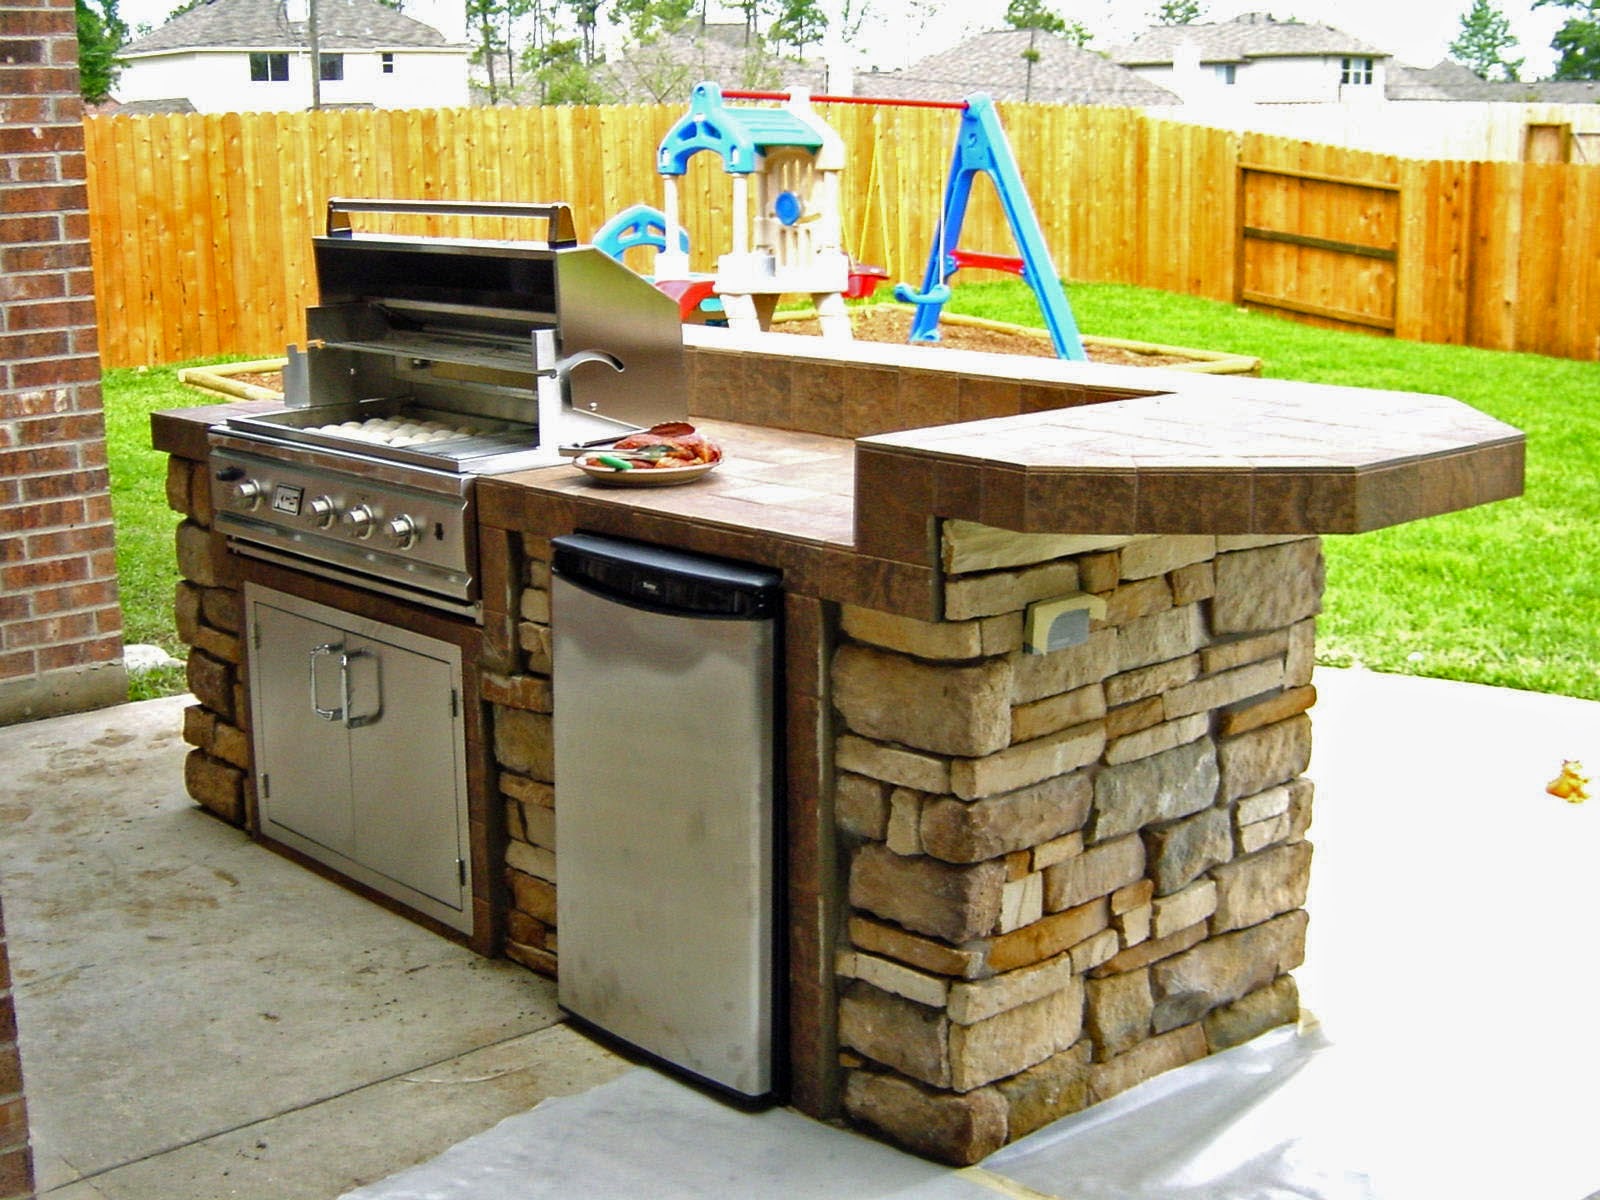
[(1250, 35), (998, 63), (264, 25)]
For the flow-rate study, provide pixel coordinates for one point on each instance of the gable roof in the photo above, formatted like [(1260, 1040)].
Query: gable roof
[(141, 108), (997, 63), (264, 25), (1449, 80), (1247, 36), (666, 70)]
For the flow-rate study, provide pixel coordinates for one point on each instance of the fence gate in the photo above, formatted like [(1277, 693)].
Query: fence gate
[(1324, 247)]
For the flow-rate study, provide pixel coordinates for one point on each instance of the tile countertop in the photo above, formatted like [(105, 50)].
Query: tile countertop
[(1242, 456), (1194, 454), (781, 498), (851, 517)]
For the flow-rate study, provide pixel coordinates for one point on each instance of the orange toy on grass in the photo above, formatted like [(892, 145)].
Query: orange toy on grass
[(1572, 784)]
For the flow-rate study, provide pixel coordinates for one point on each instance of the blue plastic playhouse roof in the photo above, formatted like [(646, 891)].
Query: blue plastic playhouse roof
[(738, 135)]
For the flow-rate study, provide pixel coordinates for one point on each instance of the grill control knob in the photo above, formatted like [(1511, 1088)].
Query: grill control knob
[(402, 530), (321, 510), (247, 493), (361, 519)]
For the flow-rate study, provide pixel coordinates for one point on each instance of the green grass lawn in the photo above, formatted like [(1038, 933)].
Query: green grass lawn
[(1504, 594), (147, 563)]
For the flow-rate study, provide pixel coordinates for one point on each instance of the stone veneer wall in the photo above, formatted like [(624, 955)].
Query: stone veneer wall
[(1066, 872), (1070, 872), (210, 617), (524, 751), (60, 622)]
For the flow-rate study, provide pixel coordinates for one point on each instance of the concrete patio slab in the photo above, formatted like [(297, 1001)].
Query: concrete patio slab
[(194, 1009), (201, 1018)]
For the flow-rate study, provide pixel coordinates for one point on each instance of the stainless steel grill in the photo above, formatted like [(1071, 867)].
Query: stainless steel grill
[(430, 361)]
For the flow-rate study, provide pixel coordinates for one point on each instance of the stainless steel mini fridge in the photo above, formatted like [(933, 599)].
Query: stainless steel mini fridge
[(666, 697)]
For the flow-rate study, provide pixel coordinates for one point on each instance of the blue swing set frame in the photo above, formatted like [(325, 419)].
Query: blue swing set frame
[(981, 148)]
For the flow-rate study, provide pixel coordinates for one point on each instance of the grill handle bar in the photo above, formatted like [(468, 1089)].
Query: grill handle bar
[(561, 234)]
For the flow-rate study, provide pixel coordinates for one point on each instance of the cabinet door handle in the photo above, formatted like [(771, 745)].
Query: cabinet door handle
[(329, 714), (351, 720)]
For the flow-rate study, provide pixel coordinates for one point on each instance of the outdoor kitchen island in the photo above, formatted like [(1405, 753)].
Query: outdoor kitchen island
[(1018, 882)]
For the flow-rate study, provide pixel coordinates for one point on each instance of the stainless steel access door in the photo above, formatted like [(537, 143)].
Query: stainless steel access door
[(665, 821), (360, 750)]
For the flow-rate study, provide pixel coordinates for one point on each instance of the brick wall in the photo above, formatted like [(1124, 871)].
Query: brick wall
[(16, 1161), (60, 624)]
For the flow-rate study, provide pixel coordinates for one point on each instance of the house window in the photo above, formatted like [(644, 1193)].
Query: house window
[(269, 68), (1355, 70), (332, 67), (1228, 73), (387, 58)]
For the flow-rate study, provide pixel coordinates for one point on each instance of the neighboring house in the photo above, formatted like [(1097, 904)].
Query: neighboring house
[(664, 70), (1257, 59), (140, 108), (1451, 81), (1017, 64), (254, 56)]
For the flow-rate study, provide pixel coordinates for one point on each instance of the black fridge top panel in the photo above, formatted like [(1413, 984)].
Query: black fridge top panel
[(667, 580)]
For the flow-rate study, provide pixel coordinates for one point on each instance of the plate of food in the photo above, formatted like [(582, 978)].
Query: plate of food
[(673, 452)]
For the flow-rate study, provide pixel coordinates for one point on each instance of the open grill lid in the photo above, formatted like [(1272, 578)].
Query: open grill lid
[(473, 325)]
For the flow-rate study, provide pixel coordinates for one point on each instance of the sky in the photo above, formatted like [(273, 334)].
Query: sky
[(1417, 32)]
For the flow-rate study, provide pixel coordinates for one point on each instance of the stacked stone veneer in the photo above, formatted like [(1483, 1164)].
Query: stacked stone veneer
[(1069, 872), (524, 754), (1061, 874), (210, 617)]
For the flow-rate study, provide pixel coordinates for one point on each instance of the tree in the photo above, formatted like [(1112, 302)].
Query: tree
[(759, 71), (656, 74), (101, 34), (563, 74), (799, 23), (752, 10), (1578, 41), (513, 15), (1483, 42), (584, 13), (1178, 12), (488, 40), (853, 15), (648, 20), (502, 33), (1033, 14)]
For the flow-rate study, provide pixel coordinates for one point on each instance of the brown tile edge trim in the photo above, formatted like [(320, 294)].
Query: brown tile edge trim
[(1230, 500), (828, 572)]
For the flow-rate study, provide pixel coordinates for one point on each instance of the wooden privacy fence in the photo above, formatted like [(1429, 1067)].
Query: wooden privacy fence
[(200, 225), (1310, 243)]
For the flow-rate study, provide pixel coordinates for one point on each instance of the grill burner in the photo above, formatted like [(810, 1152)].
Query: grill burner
[(398, 431), (431, 361)]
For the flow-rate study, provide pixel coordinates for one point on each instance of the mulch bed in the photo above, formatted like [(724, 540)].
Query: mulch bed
[(272, 381), (894, 325)]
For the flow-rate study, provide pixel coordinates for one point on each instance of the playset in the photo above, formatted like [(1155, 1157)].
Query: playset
[(792, 241)]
